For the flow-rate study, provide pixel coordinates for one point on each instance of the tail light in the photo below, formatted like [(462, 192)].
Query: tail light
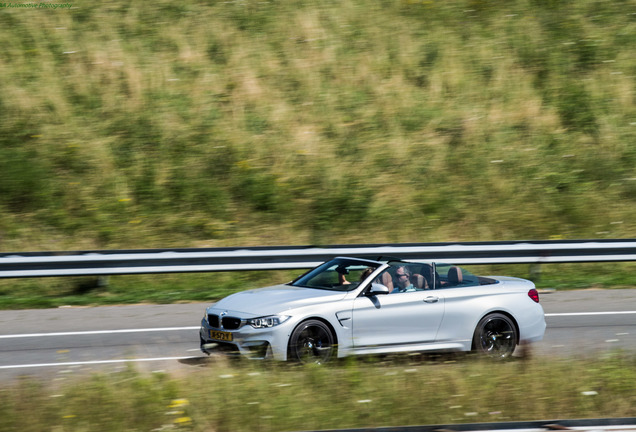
[(534, 295)]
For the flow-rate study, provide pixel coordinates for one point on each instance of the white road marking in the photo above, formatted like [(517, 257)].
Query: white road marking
[(97, 332), (94, 362), (589, 313)]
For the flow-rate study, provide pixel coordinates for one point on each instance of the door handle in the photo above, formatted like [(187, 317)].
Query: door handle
[(431, 299)]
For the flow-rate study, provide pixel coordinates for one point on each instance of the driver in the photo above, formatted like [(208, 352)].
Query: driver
[(403, 276)]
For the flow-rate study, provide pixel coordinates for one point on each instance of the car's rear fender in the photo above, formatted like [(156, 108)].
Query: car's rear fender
[(459, 325)]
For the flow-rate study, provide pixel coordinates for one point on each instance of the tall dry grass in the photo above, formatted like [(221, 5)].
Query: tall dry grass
[(354, 394), (130, 125)]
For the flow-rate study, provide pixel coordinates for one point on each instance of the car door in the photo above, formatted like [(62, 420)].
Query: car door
[(405, 318)]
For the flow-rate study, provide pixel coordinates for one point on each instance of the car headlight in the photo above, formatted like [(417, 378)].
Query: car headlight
[(268, 321)]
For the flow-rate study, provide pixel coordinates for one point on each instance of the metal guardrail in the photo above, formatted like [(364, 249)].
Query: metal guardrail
[(119, 262), (620, 424)]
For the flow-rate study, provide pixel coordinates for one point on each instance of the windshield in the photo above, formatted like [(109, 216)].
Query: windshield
[(340, 274)]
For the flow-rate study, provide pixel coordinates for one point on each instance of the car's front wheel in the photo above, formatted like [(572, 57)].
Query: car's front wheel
[(495, 336), (311, 342)]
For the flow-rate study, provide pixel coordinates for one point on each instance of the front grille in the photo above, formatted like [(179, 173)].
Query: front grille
[(213, 320), (231, 323)]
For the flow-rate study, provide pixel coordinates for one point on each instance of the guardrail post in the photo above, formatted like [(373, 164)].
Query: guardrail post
[(535, 272)]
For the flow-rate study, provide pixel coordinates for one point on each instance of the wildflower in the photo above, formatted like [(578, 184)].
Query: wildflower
[(243, 164), (177, 403)]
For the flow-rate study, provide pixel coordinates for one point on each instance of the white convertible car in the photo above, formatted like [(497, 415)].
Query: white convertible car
[(353, 306)]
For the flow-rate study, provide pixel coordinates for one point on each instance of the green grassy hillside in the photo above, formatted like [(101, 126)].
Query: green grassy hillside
[(128, 124), (135, 124)]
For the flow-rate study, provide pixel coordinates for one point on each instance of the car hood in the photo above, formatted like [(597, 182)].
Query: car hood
[(275, 299)]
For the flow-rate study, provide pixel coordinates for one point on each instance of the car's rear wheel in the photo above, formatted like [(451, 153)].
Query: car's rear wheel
[(311, 342), (495, 336)]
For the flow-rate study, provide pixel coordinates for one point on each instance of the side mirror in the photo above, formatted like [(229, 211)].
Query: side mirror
[(377, 288)]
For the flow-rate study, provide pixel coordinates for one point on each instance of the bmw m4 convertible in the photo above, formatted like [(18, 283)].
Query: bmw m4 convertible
[(353, 306)]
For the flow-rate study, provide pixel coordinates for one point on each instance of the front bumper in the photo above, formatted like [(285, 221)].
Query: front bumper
[(268, 343)]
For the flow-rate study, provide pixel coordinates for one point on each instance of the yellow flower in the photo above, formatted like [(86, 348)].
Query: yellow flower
[(176, 403), (243, 164)]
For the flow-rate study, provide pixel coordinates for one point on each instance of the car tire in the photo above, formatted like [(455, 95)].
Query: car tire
[(312, 341), (495, 336)]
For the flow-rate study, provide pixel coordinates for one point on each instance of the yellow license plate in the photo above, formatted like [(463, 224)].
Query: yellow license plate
[(221, 335)]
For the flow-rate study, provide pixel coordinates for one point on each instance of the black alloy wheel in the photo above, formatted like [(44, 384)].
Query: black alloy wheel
[(495, 336), (311, 342)]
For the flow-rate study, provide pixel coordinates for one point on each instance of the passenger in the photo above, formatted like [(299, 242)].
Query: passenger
[(365, 274), (342, 280), (342, 272)]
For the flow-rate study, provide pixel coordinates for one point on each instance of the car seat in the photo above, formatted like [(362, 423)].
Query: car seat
[(455, 276)]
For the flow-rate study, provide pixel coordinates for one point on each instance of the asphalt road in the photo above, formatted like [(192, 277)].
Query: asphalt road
[(56, 343)]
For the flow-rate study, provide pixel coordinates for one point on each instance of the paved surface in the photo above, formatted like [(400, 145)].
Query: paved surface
[(587, 322), (53, 342)]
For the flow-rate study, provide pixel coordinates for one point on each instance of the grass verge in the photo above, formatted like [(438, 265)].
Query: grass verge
[(350, 394)]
